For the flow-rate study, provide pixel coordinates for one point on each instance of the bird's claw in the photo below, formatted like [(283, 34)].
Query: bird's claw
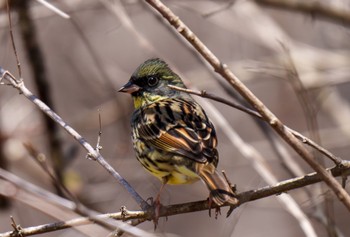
[(156, 205)]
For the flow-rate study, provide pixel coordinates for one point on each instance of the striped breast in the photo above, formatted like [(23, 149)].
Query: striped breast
[(172, 135)]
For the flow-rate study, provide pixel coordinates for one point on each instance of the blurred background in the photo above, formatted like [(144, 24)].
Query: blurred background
[(295, 61)]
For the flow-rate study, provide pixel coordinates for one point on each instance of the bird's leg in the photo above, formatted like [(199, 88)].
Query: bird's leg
[(157, 204)]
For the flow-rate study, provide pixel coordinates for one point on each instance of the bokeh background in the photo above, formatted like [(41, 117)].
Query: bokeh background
[(86, 58)]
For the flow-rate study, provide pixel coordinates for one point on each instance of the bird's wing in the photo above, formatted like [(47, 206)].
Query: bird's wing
[(180, 127)]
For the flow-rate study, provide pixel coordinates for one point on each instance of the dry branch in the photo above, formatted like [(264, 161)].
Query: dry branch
[(8, 78), (298, 135), (244, 197), (268, 116), (342, 169)]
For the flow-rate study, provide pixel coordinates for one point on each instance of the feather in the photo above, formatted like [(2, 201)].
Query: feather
[(184, 129)]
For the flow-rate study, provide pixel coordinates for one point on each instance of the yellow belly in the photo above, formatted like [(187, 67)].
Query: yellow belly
[(182, 175), (163, 165), (174, 174)]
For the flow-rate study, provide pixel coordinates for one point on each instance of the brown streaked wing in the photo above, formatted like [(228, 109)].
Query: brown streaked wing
[(193, 136)]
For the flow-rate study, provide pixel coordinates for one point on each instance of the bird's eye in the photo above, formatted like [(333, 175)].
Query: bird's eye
[(152, 81)]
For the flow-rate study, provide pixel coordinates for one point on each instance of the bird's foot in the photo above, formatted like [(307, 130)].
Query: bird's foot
[(156, 207), (217, 208)]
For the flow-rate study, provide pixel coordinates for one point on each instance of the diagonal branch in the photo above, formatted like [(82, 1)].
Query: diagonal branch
[(6, 77), (244, 109), (267, 115)]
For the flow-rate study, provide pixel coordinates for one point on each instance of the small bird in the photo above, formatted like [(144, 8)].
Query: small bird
[(172, 136)]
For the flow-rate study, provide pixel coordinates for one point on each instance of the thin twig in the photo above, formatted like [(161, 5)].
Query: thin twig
[(314, 8), (19, 85), (54, 9), (268, 116), (232, 104), (303, 95), (45, 228), (12, 40), (262, 168), (37, 62), (244, 197), (98, 146), (40, 159), (17, 229), (56, 201)]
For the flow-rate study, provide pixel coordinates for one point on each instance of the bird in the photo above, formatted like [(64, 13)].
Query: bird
[(172, 136)]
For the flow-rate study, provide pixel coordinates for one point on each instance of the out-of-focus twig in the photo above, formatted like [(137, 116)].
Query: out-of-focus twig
[(41, 160), (314, 8), (38, 194), (6, 77), (303, 95), (37, 64), (310, 115), (13, 40), (4, 201), (54, 9)]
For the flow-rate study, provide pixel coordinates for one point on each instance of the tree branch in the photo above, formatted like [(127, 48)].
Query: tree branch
[(165, 211), (244, 109), (268, 116), (92, 153)]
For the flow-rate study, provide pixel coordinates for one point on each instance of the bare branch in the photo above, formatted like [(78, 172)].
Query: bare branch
[(298, 135), (45, 228), (19, 85), (27, 191), (12, 39), (268, 116), (165, 211)]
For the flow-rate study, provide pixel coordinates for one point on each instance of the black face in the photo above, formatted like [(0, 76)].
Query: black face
[(152, 78), (147, 82)]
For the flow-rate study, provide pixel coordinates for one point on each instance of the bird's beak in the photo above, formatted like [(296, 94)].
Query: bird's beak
[(129, 88)]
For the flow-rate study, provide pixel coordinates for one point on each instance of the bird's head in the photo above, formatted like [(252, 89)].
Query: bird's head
[(149, 83)]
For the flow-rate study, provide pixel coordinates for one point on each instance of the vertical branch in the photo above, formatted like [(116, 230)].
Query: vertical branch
[(13, 40), (36, 61)]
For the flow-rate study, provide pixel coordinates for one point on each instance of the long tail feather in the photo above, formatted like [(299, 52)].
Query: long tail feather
[(220, 192)]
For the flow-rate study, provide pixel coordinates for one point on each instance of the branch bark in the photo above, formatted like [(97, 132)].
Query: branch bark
[(342, 170), (267, 115), (92, 153)]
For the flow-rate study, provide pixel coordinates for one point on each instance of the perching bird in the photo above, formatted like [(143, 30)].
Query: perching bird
[(172, 136)]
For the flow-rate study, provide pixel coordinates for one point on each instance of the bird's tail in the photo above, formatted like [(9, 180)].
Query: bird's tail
[(220, 191)]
